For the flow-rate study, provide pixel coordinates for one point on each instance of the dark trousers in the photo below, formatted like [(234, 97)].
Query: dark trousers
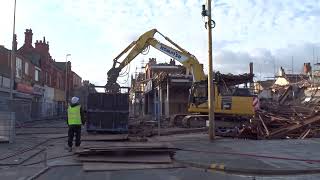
[(74, 130)]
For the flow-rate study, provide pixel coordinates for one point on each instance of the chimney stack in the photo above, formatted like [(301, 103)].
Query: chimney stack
[(307, 68), (251, 67), (42, 46), (282, 72), (28, 37)]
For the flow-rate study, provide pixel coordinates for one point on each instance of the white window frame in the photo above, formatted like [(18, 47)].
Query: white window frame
[(26, 68), (18, 67), (37, 74)]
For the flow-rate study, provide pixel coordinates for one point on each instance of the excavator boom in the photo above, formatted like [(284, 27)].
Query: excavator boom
[(184, 57), (230, 101)]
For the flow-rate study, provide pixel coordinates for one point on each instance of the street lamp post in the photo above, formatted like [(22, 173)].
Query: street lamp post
[(66, 78), (13, 52)]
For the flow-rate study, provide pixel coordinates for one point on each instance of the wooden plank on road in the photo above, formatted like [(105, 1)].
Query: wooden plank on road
[(105, 137), (92, 166), (104, 144), (160, 158)]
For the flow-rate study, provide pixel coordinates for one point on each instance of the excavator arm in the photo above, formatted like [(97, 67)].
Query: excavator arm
[(184, 57)]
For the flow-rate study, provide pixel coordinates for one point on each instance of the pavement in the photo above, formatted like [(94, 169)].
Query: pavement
[(39, 153)]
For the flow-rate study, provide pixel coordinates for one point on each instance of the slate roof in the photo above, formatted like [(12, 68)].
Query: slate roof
[(4, 50), (294, 78), (34, 58), (60, 65)]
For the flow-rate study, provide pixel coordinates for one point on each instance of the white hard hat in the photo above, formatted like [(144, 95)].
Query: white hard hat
[(74, 100)]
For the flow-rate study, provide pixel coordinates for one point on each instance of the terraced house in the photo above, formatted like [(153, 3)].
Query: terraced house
[(40, 83)]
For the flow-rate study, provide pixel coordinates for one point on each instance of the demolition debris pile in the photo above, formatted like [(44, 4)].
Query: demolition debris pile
[(294, 114)]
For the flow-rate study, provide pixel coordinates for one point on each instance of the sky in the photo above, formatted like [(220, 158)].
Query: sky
[(269, 33)]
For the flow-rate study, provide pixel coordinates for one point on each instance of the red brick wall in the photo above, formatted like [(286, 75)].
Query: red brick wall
[(29, 77), (47, 65), (4, 62), (76, 80)]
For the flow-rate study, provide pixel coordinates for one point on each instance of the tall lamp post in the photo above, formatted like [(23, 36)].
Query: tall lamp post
[(66, 80), (13, 51)]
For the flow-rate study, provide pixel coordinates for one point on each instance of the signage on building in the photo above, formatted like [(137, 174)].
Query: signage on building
[(24, 88), (38, 90), (48, 93), (148, 87), (4, 82), (59, 95)]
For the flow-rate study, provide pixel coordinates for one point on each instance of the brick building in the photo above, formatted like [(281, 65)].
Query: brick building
[(76, 80), (39, 81), (51, 75), (153, 91), (4, 72)]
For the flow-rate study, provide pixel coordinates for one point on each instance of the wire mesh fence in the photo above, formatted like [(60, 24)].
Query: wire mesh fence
[(7, 126)]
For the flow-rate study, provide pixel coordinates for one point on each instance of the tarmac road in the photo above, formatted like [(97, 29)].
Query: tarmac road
[(288, 159)]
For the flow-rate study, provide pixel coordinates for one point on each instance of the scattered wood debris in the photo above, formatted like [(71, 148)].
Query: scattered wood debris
[(291, 112)]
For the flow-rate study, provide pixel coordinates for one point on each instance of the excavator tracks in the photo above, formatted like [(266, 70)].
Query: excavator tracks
[(225, 125)]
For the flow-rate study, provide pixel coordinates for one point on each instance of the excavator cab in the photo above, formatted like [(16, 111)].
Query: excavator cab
[(198, 93), (230, 98)]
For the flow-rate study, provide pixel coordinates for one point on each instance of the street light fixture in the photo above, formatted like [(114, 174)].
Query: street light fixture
[(66, 79)]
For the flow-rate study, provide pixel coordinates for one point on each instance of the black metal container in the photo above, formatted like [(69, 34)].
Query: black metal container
[(108, 112)]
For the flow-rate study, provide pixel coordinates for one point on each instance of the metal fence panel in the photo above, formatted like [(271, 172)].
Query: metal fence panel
[(7, 126), (22, 109)]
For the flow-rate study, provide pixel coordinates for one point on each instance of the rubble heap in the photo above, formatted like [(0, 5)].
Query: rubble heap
[(292, 114)]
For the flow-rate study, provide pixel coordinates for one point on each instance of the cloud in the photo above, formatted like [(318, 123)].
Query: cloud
[(96, 31), (267, 62)]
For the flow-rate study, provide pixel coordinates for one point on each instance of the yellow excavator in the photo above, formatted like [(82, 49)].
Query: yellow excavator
[(229, 100)]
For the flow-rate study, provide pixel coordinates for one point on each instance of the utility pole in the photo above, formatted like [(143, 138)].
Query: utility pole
[(292, 65), (313, 55), (274, 69), (210, 25), (313, 66), (13, 51)]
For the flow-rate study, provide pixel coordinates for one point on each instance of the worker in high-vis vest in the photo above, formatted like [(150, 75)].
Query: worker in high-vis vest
[(75, 120)]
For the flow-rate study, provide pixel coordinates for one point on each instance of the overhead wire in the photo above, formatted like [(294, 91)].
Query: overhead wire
[(124, 73), (127, 71), (146, 50)]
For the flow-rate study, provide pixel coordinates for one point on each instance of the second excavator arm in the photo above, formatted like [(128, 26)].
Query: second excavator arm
[(184, 57)]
